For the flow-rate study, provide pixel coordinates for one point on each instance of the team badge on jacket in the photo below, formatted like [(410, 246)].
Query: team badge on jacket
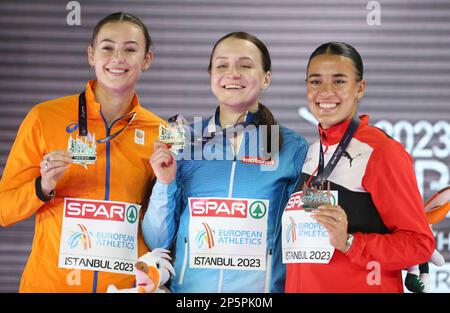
[(139, 137)]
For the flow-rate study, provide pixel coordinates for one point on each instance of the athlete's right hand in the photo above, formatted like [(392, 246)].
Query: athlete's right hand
[(163, 163), (53, 166)]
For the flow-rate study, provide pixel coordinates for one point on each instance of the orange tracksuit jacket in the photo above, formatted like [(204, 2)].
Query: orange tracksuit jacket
[(121, 173)]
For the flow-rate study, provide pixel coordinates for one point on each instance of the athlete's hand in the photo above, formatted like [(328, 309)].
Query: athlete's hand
[(334, 219), (53, 167), (163, 163)]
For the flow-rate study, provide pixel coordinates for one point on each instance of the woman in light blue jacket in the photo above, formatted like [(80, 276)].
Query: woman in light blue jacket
[(220, 205)]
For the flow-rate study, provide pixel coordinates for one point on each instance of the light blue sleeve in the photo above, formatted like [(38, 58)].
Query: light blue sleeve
[(160, 223)]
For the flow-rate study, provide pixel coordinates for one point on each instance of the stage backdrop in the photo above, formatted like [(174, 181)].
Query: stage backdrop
[(405, 46)]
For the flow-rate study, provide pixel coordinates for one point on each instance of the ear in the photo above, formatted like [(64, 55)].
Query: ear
[(266, 81), (90, 55), (361, 89), (147, 60)]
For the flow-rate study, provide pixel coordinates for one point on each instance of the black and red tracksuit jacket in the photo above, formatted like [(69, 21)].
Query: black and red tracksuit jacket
[(378, 190)]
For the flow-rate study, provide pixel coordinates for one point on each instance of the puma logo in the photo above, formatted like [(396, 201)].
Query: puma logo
[(348, 156)]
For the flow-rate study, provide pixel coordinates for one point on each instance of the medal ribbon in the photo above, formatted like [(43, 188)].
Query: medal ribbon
[(82, 114), (82, 120), (324, 173)]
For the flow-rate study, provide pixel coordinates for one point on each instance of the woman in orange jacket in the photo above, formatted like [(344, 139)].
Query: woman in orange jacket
[(80, 163)]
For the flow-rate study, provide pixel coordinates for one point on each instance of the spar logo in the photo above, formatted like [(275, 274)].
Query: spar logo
[(258, 209), (81, 237), (295, 201), (291, 231), (225, 207), (132, 214), (100, 210), (205, 236), (218, 207)]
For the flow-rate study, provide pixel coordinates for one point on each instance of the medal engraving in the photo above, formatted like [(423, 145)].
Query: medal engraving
[(83, 151), (175, 133), (315, 197)]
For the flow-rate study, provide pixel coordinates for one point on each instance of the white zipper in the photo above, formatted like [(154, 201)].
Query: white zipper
[(183, 269), (268, 272)]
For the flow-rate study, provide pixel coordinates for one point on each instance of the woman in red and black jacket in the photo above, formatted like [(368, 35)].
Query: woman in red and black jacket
[(378, 225)]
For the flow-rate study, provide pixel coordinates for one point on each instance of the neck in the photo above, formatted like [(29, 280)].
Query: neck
[(231, 116), (113, 103)]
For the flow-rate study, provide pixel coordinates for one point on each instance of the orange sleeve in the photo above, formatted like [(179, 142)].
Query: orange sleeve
[(18, 199), (392, 183)]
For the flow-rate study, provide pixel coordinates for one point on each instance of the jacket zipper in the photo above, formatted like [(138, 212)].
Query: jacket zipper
[(107, 178), (183, 269), (230, 194)]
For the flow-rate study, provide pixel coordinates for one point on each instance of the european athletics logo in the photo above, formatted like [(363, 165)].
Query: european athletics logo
[(81, 237), (291, 231), (205, 235)]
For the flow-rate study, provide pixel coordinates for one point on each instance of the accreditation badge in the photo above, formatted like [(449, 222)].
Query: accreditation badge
[(99, 235), (304, 240), (84, 150), (228, 233)]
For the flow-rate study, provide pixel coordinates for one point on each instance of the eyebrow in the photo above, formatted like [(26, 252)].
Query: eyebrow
[(240, 58), (126, 42), (334, 75)]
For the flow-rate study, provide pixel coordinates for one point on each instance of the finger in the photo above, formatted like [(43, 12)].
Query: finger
[(51, 170), (48, 165), (56, 164), (57, 171), (161, 151), (162, 160), (325, 219), (51, 155), (159, 145), (334, 211), (332, 214)]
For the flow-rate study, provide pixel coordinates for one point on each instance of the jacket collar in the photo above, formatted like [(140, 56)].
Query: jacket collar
[(94, 108), (333, 135)]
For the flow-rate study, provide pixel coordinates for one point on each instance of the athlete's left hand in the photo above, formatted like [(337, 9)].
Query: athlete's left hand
[(334, 219)]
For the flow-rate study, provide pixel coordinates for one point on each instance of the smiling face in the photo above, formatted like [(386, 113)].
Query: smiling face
[(118, 56), (237, 74), (332, 89)]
